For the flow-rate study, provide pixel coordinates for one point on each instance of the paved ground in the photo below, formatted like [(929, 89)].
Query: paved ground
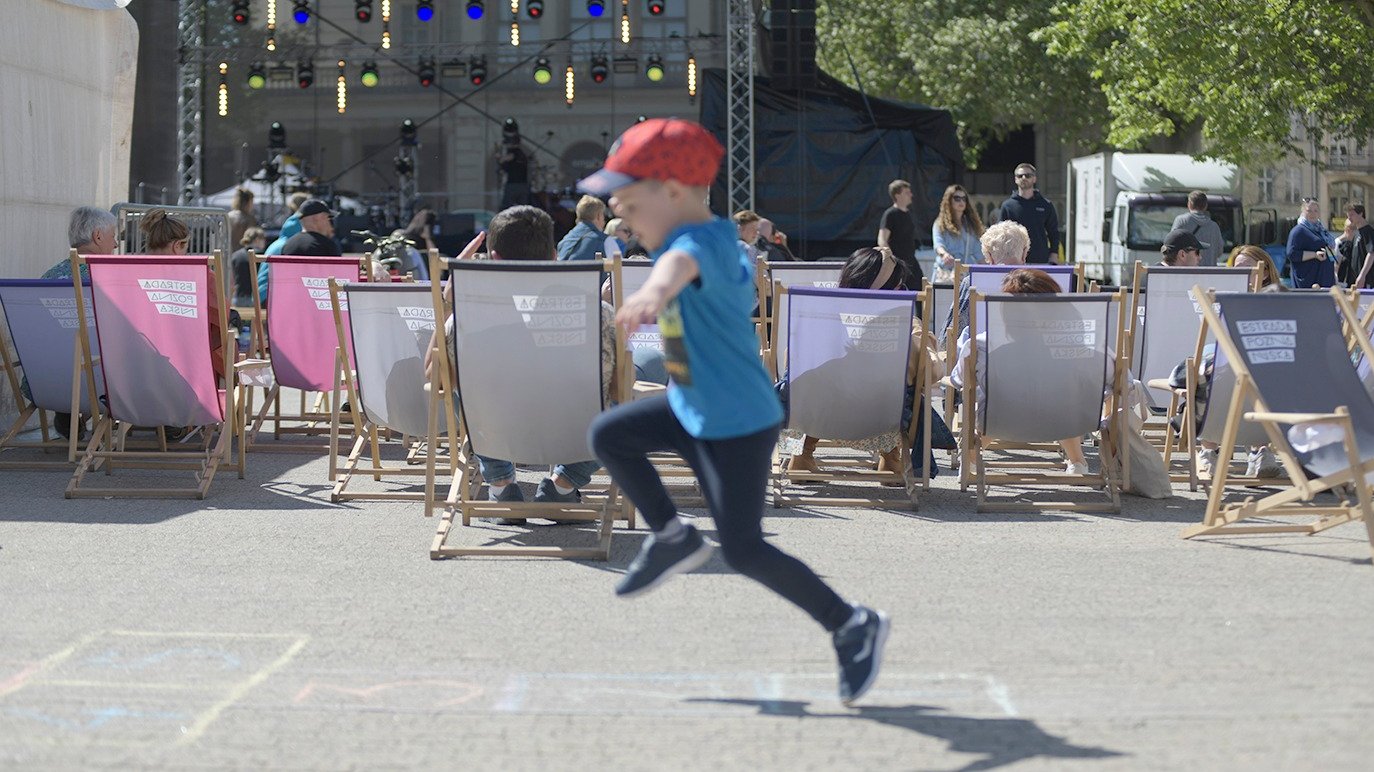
[(267, 628)]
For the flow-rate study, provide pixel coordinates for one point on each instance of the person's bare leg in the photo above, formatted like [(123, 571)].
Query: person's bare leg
[(1073, 453)]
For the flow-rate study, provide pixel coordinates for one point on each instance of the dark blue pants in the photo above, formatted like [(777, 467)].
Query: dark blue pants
[(733, 475)]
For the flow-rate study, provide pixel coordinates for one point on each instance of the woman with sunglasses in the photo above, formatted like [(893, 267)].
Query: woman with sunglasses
[(1310, 247), (955, 233)]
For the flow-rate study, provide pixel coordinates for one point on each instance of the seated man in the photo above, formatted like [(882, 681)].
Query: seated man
[(526, 233)]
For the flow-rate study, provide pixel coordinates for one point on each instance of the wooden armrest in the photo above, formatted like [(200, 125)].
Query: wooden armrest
[(648, 387), (1159, 383), (1293, 418), (243, 363)]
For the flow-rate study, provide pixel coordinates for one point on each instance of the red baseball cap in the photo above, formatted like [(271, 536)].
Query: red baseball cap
[(658, 149)]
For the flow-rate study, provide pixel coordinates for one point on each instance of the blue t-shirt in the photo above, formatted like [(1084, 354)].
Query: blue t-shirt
[(719, 389)]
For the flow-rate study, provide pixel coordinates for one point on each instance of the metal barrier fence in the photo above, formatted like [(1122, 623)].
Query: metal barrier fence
[(209, 228)]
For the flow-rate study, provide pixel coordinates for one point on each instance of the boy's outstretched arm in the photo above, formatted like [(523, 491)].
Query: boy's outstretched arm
[(671, 273)]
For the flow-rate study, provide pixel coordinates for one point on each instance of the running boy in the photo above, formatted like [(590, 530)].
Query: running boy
[(720, 413)]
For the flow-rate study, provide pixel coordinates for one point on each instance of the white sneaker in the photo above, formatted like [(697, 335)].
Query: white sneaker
[(1263, 464), (1206, 461), (1081, 469)]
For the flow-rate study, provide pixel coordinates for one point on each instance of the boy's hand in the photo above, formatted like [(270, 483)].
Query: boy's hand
[(643, 307)]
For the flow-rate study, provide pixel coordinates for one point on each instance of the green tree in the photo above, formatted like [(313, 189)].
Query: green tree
[(981, 60), (1241, 70)]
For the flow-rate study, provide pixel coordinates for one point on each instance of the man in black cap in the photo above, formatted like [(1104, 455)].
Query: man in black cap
[(1181, 249), (317, 232)]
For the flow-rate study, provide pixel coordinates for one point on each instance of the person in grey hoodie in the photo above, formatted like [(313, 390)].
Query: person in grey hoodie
[(1203, 228)]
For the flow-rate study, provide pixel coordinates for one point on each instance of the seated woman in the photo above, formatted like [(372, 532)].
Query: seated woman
[(876, 268), (1021, 281), (1249, 256)]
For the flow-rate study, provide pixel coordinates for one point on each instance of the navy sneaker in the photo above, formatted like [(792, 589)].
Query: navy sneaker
[(860, 650), (548, 494), (511, 493), (658, 561)]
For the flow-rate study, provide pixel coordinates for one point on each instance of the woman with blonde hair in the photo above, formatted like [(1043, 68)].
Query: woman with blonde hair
[(956, 233), (1248, 256)]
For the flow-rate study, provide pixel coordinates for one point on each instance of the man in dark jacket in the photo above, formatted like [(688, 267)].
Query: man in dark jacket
[(1036, 214)]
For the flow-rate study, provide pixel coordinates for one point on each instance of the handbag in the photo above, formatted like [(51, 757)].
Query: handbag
[(1147, 476)]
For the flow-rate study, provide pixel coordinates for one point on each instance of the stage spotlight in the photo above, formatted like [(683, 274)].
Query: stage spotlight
[(510, 131), (305, 74), (409, 136), (362, 10), (655, 7), (535, 8), (595, 8), (369, 76), (655, 68), (240, 11), (276, 137), (424, 10), (257, 76), (426, 72), (599, 69), (475, 9), (543, 71), (477, 70), (301, 13)]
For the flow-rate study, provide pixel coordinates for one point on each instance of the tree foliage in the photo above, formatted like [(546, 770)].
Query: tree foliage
[(1122, 72)]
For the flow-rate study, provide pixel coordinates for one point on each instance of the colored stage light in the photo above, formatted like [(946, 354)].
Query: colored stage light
[(475, 9), (655, 68), (369, 76), (477, 70), (543, 71), (301, 13), (599, 69), (424, 10), (305, 74), (596, 8), (257, 76), (362, 10), (535, 8), (426, 73)]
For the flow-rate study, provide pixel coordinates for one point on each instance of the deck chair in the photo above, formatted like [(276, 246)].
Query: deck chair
[(527, 345), (41, 319), (153, 325), (1051, 354), (1161, 294), (1289, 357), (389, 328), (825, 275), (847, 368), (943, 315), (987, 279), (301, 338)]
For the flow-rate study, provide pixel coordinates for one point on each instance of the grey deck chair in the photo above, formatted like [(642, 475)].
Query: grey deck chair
[(987, 279), (1165, 324), (1290, 357), (1045, 375), (527, 348), (847, 381), (787, 275), (41, 318), (390, 327)]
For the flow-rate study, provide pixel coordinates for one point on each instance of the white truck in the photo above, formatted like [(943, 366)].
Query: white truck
[(1122, 205)]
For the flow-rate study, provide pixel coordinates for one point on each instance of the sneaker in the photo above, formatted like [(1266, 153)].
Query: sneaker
[(1206, 461), (548, 494), (1263, 464), (658, 561), (511, 492), (1078, 469), (860, 651)]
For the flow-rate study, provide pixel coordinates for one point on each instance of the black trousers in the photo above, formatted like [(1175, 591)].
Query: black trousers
[(733, 475)]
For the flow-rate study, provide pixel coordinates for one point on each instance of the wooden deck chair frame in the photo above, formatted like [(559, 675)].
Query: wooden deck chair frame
[(316, 415), (976, 447), (1220, 519), (852, 471), (949, 342), (766, 285), (468, 483), (420, 457), (11, 363), (107, 446)]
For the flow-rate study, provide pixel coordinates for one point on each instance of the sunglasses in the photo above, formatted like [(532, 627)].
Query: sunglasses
[(1309, 199), (1024, 175), (958, 198)]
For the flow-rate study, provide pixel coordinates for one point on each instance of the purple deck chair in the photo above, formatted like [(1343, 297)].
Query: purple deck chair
[(846, 380), (303, 341), (153, 324), (1290, 356), (41, 315)]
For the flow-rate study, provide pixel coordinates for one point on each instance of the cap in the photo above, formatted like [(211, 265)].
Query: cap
[(1180, 239), (658, 149), (314, 206)]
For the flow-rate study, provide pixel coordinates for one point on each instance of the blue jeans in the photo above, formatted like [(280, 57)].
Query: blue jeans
[(579, 473)]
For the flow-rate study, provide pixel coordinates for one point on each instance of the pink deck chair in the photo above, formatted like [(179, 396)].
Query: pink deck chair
[(153, 325), (303, 342), (41, 315)]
